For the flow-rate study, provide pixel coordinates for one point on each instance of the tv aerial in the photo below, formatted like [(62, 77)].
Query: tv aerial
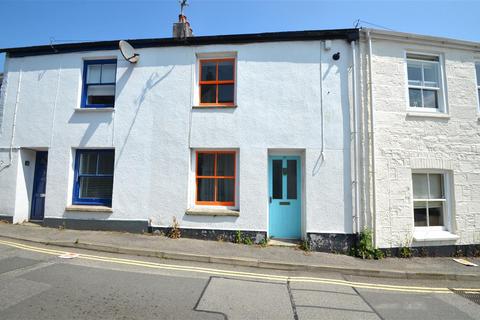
[(183, 4), (128, 52)]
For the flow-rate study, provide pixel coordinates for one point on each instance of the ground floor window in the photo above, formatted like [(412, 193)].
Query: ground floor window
[(215, 178), (93, 177), (429, 199)]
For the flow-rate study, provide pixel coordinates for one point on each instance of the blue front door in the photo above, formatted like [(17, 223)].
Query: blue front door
[(284, 177), (39, 186)]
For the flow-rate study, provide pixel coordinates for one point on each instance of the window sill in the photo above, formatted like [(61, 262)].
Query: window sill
[(434, 235), (216, 107), (94, 109), (428, 114), (85, 208), (212, 212)]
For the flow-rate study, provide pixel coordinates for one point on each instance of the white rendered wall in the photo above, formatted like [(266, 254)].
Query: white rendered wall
[(404, 143), (154, 130)]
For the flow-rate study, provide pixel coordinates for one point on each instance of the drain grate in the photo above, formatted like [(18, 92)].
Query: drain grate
[(473, 296)]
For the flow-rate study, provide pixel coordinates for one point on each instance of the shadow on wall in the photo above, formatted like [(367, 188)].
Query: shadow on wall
[(154, 80), (94, 120)]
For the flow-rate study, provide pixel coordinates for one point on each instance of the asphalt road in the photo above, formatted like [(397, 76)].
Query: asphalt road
[(35, 283)]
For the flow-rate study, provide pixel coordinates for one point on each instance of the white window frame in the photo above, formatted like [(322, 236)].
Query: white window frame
[(447, 203), (441, 90)]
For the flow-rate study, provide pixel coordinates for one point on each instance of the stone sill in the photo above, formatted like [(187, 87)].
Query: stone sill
[(94, 109), (428, 115), (83, 208), (212, 212), (215, 107), (423, 236)]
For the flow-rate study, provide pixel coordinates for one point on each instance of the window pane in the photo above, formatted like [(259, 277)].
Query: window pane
[(108, 73), (225, 190), (430, 75), (415, 96), (205, 165), (93, 73), (435, 213), (105, 162), (96, 187), (88, 163), (477, 67), (225, 93), (205, 189), (420, 187), (420, 214), (414, 73), (225, 164), (101, 95), (436, 186), (430, 99), (225, 70), (291, 179), (277, 184), (209, 71), (208, 93)]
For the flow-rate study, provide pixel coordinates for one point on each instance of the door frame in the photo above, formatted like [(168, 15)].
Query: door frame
[(35, 182), (288, 153)]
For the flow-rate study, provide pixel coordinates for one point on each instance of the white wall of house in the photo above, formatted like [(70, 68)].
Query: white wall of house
[(406, 141), (154, 130)]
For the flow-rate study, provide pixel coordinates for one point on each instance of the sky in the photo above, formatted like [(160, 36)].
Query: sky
[(36, 22)]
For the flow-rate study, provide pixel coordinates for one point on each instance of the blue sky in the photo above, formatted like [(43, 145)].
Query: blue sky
[(34, 22)]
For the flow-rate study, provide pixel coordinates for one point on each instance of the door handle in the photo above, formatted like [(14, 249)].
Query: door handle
[(270, 199)]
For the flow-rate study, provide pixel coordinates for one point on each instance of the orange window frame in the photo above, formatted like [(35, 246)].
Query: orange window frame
[(216, 82), (197, 178)]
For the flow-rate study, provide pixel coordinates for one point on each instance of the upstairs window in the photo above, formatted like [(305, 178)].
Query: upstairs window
[(477, 69), (99, 77), (215, 175), (217, 82), (424, 86), (429, 200), (93, 177)]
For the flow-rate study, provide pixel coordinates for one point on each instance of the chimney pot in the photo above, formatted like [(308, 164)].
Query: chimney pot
[(182, 28)]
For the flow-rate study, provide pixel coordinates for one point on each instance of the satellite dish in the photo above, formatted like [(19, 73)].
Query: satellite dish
[(128, 52)]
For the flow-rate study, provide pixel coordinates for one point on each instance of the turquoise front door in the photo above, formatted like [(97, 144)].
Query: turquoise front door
[(284, 177)]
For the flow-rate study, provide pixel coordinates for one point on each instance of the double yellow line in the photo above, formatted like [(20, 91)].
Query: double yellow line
[(240, 274)]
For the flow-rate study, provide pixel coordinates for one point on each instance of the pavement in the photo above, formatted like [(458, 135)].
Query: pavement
[(270, 257)]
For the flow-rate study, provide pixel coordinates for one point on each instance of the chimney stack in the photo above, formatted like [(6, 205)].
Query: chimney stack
[(182, 29)]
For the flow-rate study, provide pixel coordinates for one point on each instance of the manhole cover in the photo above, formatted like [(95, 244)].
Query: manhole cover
[(473, 296)]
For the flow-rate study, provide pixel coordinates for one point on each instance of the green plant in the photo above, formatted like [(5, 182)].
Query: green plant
[(247, 241), (264, 242), (175, 229), (365, 248), (305, 246), (405, 252), (238, 236)]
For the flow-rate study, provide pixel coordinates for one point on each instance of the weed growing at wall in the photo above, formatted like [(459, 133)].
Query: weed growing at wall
[(365, 248), (175, 231)]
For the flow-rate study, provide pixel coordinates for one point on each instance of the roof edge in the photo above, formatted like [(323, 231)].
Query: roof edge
[(345, 34), (421, 39)]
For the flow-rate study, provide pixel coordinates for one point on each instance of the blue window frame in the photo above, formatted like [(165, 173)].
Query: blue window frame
[(99, 78), (93, 177)]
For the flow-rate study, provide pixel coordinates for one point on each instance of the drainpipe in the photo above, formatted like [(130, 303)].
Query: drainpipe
[(355, 139), (14, 125), (372, 133)]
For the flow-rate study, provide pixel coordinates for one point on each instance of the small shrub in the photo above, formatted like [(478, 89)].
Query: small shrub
[(263, 242), (247, 240), (175, 231), (365, 248), (405, 252)]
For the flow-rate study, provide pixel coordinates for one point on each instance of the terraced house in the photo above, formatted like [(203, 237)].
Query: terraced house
[(312, 135), (223, 133)]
